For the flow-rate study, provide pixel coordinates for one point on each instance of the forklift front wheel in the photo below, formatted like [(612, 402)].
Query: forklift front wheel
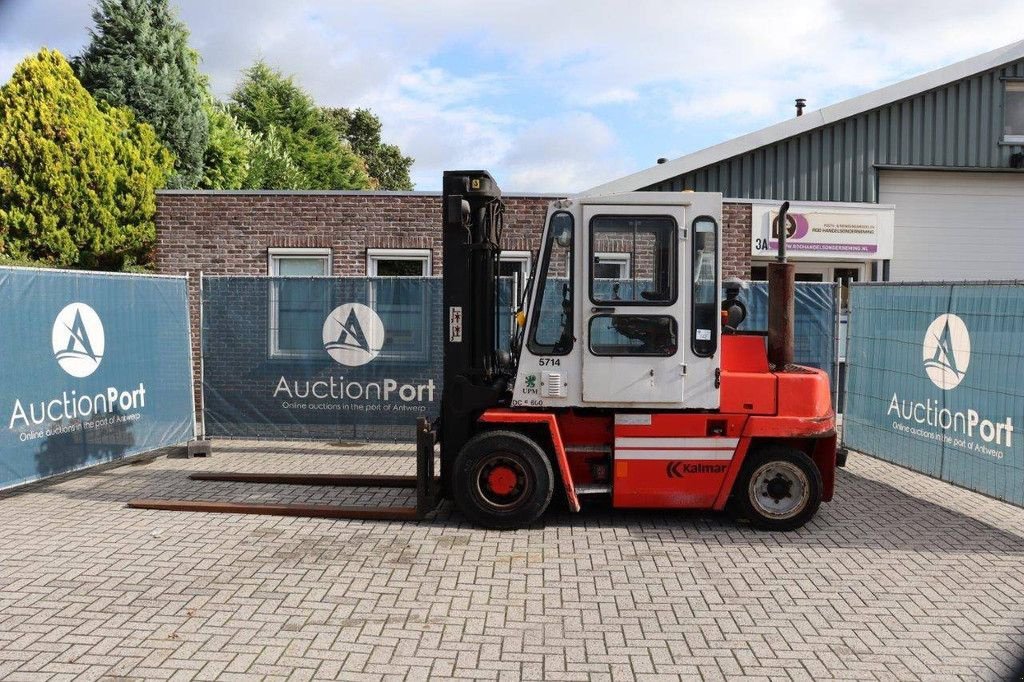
[(779, 488), (503, 480)]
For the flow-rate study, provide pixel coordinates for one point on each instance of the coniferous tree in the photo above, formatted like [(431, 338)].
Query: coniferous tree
[(237, 158), (272, 105), (77, 177), (139, 57), (227, 157), (386, 163), (270, 165)]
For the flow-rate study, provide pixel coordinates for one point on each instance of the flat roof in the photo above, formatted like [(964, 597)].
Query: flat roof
[(340, 192)]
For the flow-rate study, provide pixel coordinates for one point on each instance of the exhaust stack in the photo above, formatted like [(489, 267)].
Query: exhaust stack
[(781, 291)]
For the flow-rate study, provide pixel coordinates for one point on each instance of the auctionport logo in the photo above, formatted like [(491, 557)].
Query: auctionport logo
[(946, 351), (78, 340), (353, 334)]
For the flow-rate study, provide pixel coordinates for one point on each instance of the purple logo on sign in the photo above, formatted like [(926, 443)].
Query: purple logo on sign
[(797, 226)]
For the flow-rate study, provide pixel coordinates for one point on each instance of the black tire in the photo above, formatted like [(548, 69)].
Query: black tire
[(779, 489), (502, 480)]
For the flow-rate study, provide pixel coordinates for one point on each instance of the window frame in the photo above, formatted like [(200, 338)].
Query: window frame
[(625, 260), (540, 281), (425, 256), (673, 261), (1017, 85), (274, 257), (374, 256), (525, 258), (716, 287), (276, 254), (590, 336)]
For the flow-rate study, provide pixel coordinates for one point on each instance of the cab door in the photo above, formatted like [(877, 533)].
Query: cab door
[(634, 309)]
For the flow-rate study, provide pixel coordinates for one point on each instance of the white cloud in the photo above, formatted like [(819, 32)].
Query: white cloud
[(561, 154)]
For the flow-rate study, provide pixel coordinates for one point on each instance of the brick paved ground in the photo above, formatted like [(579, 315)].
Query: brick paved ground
[(902, 577)]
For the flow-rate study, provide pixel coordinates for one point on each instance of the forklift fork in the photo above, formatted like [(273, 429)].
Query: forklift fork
[(427, 487)]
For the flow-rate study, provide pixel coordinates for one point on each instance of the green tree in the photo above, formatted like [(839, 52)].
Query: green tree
[(237, 158), (228, 151), (139, 57), (77, 178), (386, 163), (268, 103), (270, 165)]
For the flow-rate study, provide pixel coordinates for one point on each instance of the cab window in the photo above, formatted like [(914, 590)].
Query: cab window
[(552, 332), (705, 287), (633, 260), (653, 335)]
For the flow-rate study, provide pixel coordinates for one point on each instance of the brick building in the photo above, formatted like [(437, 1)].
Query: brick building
[(349, 234)]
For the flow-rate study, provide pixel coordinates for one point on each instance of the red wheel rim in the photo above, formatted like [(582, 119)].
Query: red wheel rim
[(502, 482)]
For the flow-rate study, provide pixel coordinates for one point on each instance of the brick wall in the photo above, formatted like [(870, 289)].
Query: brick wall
[(736, 240), (229, 233)]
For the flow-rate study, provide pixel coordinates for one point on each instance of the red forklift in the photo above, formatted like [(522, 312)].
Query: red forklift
[(627, 376)]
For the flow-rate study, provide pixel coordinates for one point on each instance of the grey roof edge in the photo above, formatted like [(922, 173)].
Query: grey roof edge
[(813, 119), (830, 205), (338, 193)]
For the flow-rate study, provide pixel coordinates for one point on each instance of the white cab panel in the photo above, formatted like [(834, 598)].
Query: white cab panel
[(629, 337)]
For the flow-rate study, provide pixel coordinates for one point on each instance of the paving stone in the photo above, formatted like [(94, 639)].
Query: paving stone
[(901, 577)]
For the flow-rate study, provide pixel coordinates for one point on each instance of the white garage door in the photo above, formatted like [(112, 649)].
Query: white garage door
[(952, 226)]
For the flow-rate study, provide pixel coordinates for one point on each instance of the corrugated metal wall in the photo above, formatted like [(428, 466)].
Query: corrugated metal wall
[(959, 124)]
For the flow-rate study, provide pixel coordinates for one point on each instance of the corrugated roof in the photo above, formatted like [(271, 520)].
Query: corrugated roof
[(813, 119)]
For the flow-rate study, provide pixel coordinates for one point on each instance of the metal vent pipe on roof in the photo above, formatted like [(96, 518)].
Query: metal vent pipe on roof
[(800, 104)]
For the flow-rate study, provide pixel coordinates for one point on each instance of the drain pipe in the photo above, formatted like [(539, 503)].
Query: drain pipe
[(781, 292)]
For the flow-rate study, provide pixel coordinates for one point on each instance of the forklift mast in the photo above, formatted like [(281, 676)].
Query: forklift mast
[(474, 378)]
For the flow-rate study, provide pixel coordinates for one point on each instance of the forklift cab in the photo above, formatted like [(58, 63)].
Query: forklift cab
[(624, 308)]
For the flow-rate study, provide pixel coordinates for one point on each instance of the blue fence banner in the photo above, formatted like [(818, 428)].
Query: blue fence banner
[(935, 381), (815, 321), (96, 367), (325, 357), (360, 358)]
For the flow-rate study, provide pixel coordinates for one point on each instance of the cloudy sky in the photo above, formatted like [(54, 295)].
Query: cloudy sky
[(560, 96)]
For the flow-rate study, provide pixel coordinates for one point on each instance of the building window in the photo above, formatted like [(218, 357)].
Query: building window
[(402, 299), (1013, 112), (398, 262), (514, 273), (299, 262), (611, 266), (298, 304)]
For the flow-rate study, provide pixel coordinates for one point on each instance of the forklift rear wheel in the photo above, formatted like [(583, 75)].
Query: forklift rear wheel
[(502, 480), (779, 488)]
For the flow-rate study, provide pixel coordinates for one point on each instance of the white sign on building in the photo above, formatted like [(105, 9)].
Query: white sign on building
[(822, 231)]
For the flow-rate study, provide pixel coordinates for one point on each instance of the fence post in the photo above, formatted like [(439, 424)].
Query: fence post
[(841, 395), (836, 328), (202, 367)]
